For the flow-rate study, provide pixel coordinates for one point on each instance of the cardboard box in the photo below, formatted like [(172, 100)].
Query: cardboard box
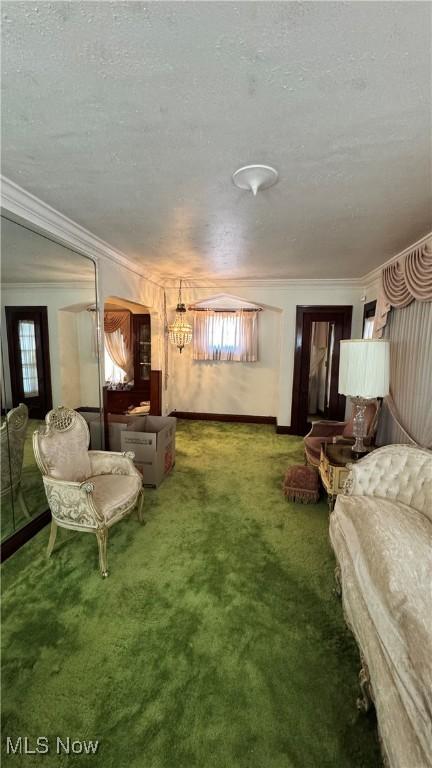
[(152, 439), (94, 421), (116, 424)]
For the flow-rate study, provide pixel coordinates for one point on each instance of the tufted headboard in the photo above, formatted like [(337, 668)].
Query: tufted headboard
[(400, 472)]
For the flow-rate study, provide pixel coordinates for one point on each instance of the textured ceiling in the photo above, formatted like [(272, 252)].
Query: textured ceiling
[(131, 117), (30, 258)]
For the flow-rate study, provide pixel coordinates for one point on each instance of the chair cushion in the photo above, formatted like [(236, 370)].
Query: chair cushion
[(112, 493), (65, 454)]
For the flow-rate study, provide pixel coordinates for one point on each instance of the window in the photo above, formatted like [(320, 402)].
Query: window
[(223, 335), (113, 373), (369, 319), (27, 344), (368, 327), (222, 339)]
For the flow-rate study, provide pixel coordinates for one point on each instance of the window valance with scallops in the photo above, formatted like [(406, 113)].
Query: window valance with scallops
[(116, 320), (405, 280)]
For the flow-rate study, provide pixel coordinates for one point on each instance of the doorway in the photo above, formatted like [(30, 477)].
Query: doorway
[(320, 368), (319, 329), (29, 360)]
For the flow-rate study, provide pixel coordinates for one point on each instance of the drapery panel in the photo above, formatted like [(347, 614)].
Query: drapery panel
[(407, 413), (402, 282), (318, 355), (119, 352), (225, 336), (119, 320)]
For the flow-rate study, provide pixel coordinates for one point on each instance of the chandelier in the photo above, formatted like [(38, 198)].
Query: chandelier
[(180, 332)]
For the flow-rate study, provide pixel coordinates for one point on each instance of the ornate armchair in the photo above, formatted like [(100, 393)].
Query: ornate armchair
[(13, 433), (86, 490), (338, 431)]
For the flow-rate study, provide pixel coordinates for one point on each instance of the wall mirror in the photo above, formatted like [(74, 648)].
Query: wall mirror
[(50, 357)]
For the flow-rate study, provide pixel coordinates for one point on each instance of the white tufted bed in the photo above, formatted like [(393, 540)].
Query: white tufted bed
[(381, 532)]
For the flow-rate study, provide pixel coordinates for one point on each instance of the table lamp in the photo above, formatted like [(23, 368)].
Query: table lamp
[(364, 373)]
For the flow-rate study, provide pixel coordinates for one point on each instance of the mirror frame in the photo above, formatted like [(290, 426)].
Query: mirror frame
[(26, 532)]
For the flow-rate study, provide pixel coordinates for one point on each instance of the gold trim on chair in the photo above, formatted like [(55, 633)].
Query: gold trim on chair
[(13, 434), (77, 504)]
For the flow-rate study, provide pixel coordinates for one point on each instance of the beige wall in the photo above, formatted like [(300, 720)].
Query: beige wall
[(230, 387), (69, 363), (259, 389), (74, 368), (115, 281)]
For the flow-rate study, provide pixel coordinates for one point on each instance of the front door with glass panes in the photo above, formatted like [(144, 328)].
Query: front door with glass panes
[(29, 361)]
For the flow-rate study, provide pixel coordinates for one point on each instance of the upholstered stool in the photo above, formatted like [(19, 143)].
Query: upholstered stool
[(301, 484)]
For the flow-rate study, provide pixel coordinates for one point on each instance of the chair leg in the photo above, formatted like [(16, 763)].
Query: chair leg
[(102, 537), (140, 505), (52, 538)]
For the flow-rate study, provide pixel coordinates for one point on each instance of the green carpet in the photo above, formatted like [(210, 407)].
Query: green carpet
[(215, 642)]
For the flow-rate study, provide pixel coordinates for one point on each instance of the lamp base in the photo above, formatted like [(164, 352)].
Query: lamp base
[(359, 404)]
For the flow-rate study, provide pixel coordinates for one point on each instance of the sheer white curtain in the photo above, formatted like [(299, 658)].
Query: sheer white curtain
[(118, 352), (410, 403), (317, 359), (27, 342), (225, 336)]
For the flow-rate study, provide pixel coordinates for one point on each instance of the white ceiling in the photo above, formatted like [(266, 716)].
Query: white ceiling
[(130, 117), (27, 257)]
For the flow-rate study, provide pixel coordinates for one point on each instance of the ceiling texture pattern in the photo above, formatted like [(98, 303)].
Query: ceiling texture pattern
[(131, 117)]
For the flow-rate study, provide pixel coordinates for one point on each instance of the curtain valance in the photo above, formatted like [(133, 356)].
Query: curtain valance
[(406, 280), (115, 320), (409, 278)]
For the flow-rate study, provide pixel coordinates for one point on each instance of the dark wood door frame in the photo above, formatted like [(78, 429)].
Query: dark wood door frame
[(43, 402), (305, 316)]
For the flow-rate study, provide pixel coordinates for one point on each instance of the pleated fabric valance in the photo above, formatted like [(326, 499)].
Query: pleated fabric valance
[(406, 280), (119, 320), (410, 278)]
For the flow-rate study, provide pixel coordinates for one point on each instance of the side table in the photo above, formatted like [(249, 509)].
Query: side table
[(333, 468)]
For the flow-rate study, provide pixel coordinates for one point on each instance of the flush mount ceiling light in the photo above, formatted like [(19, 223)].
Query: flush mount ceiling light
[(255, 177)]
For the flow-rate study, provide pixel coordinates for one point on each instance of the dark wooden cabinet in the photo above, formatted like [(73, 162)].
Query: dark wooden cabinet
[(147, 383), (119, 400), (142, 352)]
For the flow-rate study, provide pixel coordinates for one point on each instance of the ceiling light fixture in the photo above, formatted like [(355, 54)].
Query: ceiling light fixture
[(180, 332), (255, 177)]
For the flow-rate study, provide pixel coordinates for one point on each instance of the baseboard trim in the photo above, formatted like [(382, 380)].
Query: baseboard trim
[(224, 417), (284, 430)]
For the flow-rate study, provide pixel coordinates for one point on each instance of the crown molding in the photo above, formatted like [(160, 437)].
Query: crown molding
[(29, 209), (273, 283), (375, 274), (76, 285)]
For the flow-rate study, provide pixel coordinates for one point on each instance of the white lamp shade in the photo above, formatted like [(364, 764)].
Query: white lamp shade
[(364, 368)]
